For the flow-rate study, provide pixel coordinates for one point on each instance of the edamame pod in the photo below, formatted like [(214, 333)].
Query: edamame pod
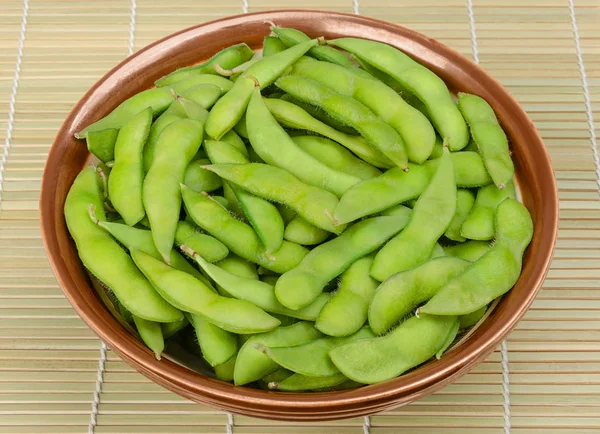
[(415, 341), (239, 237), (349, 111), (205, 95), (429, 220), (276, 147), (398, 295), (151, 334), (346, 312), (418, 80), (272, 45), (187, 84), (479, 224), (252, 365), (299, 382), (102, 144), (191, 295), (227, 58), (469, 171), (300, 286), (312, 359), (489, 137), (171, 328), (216, 344), (163, 121), (158, 99), (292, 116), (469, 250), (414, 128), (291, 37), (224, 371), (206, 246), (127, 174), (470, 319), (495, 272), (255, 291), (464, 202), (103, 256), (313, 204), (377, 194), (230, 108), (232, 138), (301, 232), (176, 146), (335, 156)]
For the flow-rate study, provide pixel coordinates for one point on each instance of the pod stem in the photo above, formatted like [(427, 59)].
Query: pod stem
[(104, 180), (253, 78), (92, 213), (222, 71), (189, 251), (273, 385)]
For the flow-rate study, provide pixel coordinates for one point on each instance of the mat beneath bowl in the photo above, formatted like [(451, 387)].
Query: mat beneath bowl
[(56, 377)]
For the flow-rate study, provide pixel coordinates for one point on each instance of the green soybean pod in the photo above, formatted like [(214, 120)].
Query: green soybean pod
[(378, 194), (127, 174), (199, 179), (402, 292), (151, 334), (346, 312), (216, 344), (301, 232), (276, 147), (314, 204), (415, 341), (291, 37), (464, 202), (185, 85), (479, 224), (238, 266), (232, 138), (163, 121), (489, 137), (255, 291), (191, 295), (420, 81), (414, 128), (169, 329), (301, 285), (312, 359), (335, 156), (102, 144), (176, 147), (349, 111), (224, 371), (239, 237), (470, 319), (299, 383), (429, 220), (272, 45), (230, 108), (208, 247), (470, 250), (227, 58), (252, 365), (290, 115), (205, 95), (158, 99), (264, 218), (103, 256), (495, 272)]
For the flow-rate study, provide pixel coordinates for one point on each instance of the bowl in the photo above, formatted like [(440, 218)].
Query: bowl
[(68, 156)]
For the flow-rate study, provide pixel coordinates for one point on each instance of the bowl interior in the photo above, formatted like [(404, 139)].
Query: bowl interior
[(68, 156)]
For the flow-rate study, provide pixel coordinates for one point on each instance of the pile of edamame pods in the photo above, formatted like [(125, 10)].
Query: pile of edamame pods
[(323, 216)]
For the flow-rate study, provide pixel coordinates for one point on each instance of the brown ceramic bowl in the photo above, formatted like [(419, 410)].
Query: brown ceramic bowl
[(68, 156)]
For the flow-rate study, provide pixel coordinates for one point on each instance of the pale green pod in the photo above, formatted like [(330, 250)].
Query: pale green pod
[(151, 334), (224, 371), (479, 224), (469, 171), (301, 232), (469, 250), (429, 220), (302, 285), (102, 144), (205, 95), (401, 293), (216, 344), (415, 341), (299, 383), (252, 365), (208, 247), (489, 137), (171, 328), (127, 174), (312, 359), (199, 179), (470, 319), (346, 312), (335, 156), (272, 45), (185, 85)]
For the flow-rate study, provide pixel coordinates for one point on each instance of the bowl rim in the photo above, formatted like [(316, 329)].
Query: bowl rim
[(296, 406)]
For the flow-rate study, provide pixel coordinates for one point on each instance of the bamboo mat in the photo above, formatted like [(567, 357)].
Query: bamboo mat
[(546, 378)]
